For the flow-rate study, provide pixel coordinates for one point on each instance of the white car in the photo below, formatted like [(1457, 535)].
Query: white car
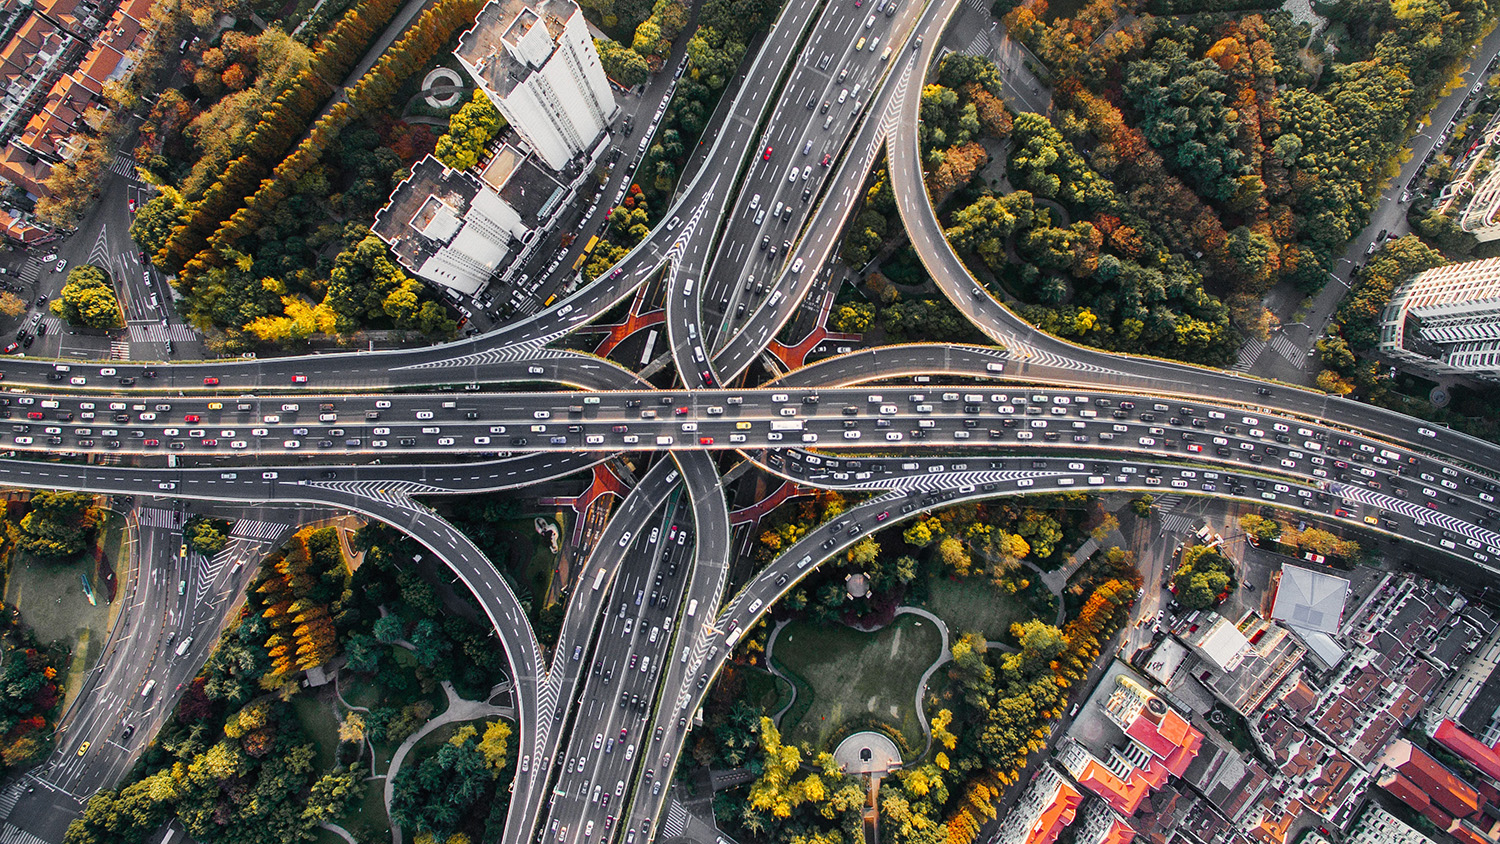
[(594, 439), (167, 485), (481, 440), (445, 441), (108, 370), (378, 443), (1427, 432), (261, 432), (78, 380), (851, 435), (291, 443), (1025, 482), (23, 440), (893, 436)]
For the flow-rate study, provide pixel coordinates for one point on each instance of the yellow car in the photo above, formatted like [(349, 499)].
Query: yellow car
[(215, 405), (743, 426), (83, 748)]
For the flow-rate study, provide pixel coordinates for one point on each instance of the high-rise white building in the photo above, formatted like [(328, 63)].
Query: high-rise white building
[(1446, 320), (537, 63)]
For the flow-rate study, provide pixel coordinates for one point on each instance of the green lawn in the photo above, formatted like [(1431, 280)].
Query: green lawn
[(51, 597), (368, 820), (852, 673), (319, 722), (764, 690), (975, 604)]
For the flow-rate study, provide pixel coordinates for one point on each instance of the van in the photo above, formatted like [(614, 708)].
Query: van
[(186, 643), (692, 607), (663, 440), (149, 688)]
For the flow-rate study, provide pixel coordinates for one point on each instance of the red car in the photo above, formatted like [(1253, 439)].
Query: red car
[(682, 411), (705, 441), (766, 156), (152, 443), (211, 443), (825, 160), (191, 417), (12, 347), (210, 381), (299, 379)]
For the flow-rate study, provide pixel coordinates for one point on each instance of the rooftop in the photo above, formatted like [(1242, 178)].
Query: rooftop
[(1310, 599)]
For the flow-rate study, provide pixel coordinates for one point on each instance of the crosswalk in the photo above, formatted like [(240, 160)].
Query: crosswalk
[(1176, 523), (676, 823), (53, 324), (10, 797), (981, 44), (124, 165), (155, 517), (155, 332), (119, 350), (31, 271), (253, 529), (13, 834), (1287, 349), (1166, 503), (1249, 354)]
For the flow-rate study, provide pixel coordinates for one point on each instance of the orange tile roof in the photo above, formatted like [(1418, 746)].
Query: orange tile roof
[(1457, 797), (1476, 752), (1123, 795), (1058, 814), (1407, 792), (1119, 833)]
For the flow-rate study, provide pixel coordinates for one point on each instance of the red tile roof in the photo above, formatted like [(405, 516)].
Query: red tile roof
[(1471, 749), (1058, 814), (1457, 797), (1407, 792)]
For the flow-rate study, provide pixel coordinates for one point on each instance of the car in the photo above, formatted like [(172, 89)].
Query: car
[(167, 485), (62, 264), (192, 417), (291, 443), (1426, 432), (210, 381), (153, 443), (83, 748), (766, 156), (826, 160), (299, 379), (78, 380), (705, 441), (12, 348)]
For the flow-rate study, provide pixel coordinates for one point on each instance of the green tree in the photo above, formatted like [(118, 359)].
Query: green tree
[(1203, 574), (88, 299), (59, 525)]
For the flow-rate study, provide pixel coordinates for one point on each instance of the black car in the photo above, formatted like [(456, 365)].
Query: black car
[(127, 382)]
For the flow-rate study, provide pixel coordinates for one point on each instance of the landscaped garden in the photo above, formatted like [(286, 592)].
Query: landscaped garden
[(852, 674)]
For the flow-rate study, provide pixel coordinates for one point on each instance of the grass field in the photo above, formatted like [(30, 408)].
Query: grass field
[(852, 673), (368, 820), (319, 722), (975, 604)]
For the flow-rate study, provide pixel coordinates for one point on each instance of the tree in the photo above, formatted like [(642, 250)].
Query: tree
[(352, 728), (206, 536), (494, 745), (59, 525), (1202, 576), (88, 299), (12, 305), (622, 64), (469, 131), (436, 795)]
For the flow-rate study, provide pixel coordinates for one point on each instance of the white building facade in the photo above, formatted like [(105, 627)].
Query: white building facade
[(1446, 320), (537, 63)]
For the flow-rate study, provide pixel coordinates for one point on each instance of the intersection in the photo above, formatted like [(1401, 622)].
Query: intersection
[(604, 716)]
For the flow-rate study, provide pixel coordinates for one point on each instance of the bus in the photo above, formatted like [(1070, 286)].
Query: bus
[(588, 250), (786, 425), (598, 580)]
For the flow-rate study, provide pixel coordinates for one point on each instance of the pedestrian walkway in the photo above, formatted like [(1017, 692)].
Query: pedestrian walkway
[(10, 796), (676, 823), (1175, 523), (1166, 503), (124, 165), (13, 834), (155, 332), (252, 529), (1287, 349), (119, 350), (30, 271), (1249, 354), (156, 517)]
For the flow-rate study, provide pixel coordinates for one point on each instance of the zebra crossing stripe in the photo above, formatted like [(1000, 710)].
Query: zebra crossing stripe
[(252, 529), (1175, 523), (10, 797), (123, 165), (155, 332), (1286, 349), (676, 823), (119, 350), (1167, 503), (155, 517), (30, 271), (1249, 354), (13, 834)]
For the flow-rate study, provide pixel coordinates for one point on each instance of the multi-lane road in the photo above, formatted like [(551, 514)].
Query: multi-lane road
[(605, 716)]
